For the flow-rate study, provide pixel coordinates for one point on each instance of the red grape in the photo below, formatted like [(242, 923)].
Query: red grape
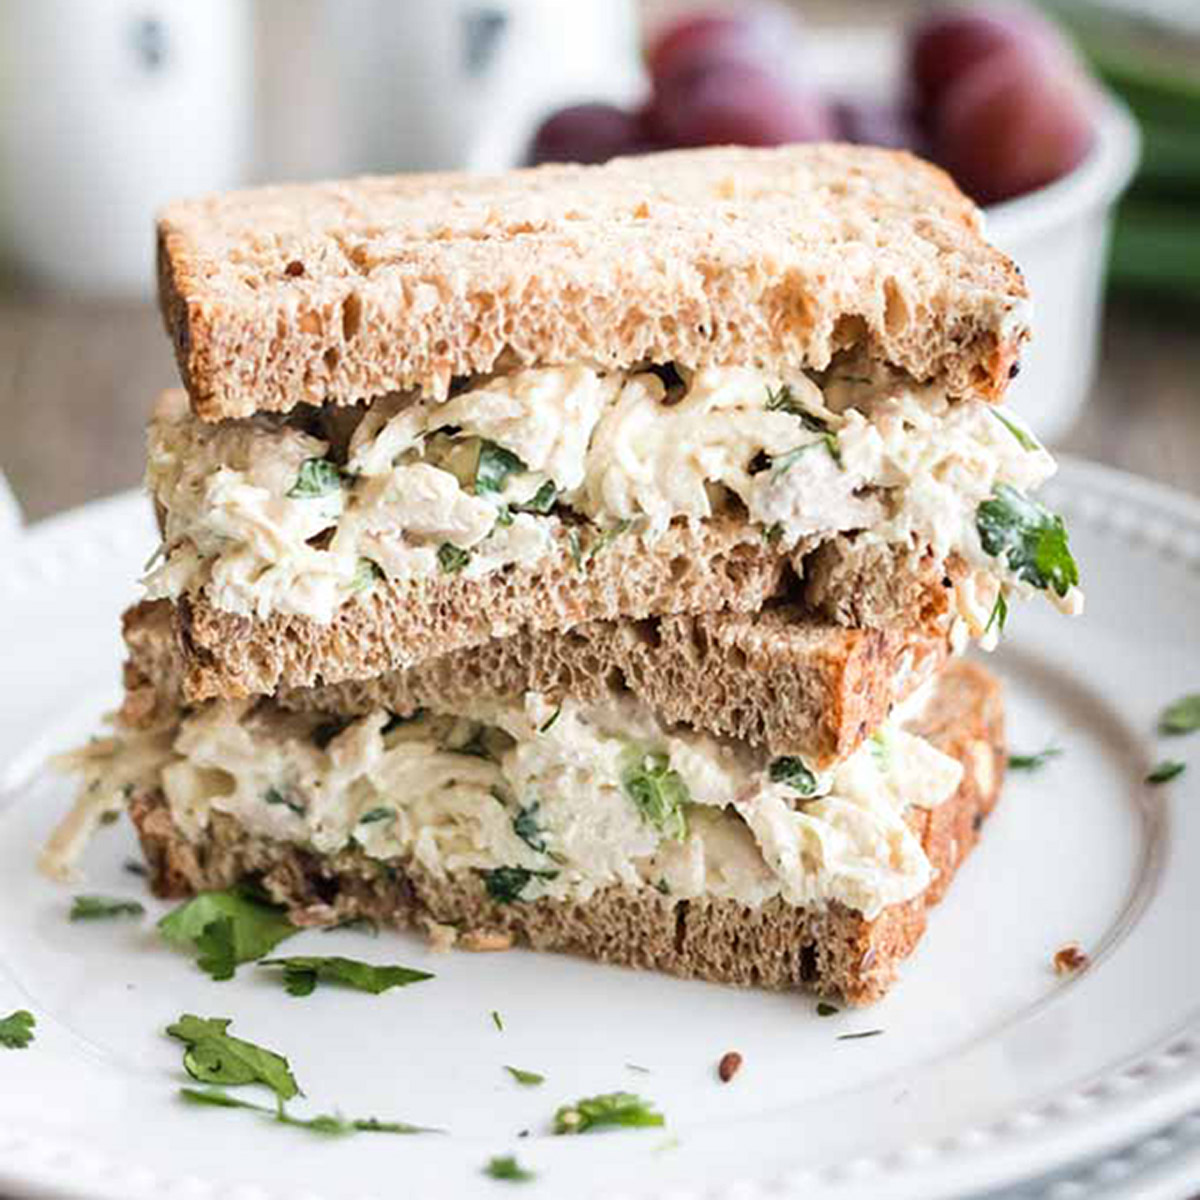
[(766, 36), (588, 133), (945, 46), (739, 105), (1014, 123)]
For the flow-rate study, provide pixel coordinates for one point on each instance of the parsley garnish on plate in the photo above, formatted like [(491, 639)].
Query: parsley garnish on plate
[(526, 1078), (1033, 762), (792, 772), (499, 1024), (214, 1056), (16, 1030), (1029, 537), (302, 972), (331, 1126), (657, 792), (91, 908), (509, 1169), (317, 477), (1165, 771), (1181, 717), (612, 1109), (226, 928)]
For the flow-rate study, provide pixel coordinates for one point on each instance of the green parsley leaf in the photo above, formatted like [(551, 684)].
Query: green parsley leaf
[(366, 574), (1031, 538), (301, 973), (794, 773), (213, 1056), (614, 1108), (317, 477), (508, 1168), (541, 502), (494, 466), (999, 614), (227, 928), (527, 1078), (1165, 771), (16, 1030), (333, 1126), (658, 792), (452, 558), (525, 826), (91, 908), (275, 796), (505, 884), (1033, 762), (1181, 717), (375, 815), (825, 1009), (1024, 439)]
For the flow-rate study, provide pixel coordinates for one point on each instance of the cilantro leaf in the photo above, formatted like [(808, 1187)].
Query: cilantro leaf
[(614, 1108), (317, 477), (1181, 717), (1165, 771), (1031, 538), (90, 908), (508, 1168), (1033, 762), (213, 1056), (333, 1126), (794, 773), (226, 928), (494, 466), (541, 502), (525, 826), (505, 884), (526, 1078), (16, 1030), (658, 793), (452, 558), (275, 796), (375, 815), (301, 973), (1025, 441)]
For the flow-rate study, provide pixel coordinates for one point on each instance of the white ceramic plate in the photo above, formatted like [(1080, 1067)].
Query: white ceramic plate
[(989, 1070)]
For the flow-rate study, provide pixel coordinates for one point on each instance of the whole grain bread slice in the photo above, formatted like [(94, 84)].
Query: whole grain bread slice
[(775, 679), (833, 950), (720, 565), (336, 292)]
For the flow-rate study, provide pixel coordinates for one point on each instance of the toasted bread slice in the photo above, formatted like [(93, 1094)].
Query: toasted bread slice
[(336, 292), (774, 679), (831, 950)]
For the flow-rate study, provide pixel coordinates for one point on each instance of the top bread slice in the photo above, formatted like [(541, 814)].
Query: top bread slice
[(338, 292)]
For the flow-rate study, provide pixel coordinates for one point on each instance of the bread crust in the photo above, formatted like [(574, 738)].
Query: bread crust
[(781, 258), (833, 951)]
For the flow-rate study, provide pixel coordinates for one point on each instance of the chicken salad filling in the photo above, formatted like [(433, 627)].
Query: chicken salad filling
[(540, 799), (300, 514)]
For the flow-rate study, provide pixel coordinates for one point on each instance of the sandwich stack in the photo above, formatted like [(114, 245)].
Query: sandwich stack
[(582, 557)]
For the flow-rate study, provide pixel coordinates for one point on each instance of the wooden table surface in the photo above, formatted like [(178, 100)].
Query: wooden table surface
[(77, 380)]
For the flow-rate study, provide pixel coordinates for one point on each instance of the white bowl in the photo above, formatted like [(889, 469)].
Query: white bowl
[(1058, 236)]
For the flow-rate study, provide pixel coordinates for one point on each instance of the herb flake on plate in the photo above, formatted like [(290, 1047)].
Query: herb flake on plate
[(330, 1126), (16, 1030), (301, 974), (613, 1109), (1181, 717), (214, 1056), (526, 1078), (1165, 771), (226, 929), (509, 1169), (92, 908), (1033, 762)]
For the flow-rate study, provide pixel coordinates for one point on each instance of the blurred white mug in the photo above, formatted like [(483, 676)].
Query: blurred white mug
[(349, 86), (112, 108)]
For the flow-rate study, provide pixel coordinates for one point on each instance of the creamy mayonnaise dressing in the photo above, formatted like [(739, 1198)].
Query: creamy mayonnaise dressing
[(484, 479), (550, 791)]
